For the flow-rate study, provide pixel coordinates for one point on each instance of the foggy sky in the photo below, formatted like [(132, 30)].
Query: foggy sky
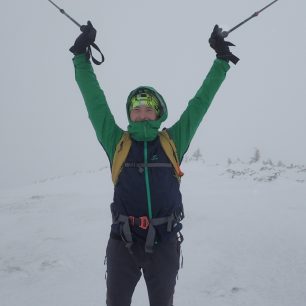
[(44, 127)]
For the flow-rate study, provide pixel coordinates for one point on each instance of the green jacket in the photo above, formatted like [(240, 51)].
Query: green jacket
[(109, 133)]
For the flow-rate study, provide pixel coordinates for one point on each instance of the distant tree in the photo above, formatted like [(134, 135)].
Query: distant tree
[(256, 156), (268, 162), (197, 155)]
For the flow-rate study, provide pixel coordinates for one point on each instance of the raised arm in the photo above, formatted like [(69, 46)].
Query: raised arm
[(184, 129), (107, 131)]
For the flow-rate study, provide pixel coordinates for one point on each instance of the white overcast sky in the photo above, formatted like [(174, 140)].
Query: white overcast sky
[(44, 129)]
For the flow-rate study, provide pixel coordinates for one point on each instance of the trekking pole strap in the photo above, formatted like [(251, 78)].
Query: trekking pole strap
[(89, 54)]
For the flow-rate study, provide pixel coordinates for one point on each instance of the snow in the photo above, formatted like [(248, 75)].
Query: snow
[(244, 237)]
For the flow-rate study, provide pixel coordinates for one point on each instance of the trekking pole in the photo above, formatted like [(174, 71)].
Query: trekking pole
[(225, 33), (64, 13), (93, 44)]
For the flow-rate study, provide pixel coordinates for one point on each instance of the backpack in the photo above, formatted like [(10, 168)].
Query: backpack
[(123, 148)]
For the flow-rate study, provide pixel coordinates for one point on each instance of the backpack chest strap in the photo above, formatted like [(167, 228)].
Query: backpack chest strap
[(148, 165), (142, 166)]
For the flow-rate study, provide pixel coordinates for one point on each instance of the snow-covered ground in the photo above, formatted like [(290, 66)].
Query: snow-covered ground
[(245, 238)]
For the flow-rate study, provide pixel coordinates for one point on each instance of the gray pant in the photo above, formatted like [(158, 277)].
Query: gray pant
[(124, 271)]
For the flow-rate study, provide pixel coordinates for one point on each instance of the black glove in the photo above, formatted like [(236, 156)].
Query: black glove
[(85, 39), (221, 46)]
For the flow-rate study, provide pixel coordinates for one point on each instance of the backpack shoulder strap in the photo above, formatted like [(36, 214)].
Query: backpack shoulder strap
[(122, 150), (169, 148)]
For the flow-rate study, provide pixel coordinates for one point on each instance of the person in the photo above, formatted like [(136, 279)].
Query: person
[(145, 237)]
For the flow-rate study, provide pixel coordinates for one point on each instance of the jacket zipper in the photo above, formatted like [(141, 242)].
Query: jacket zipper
[(146, 172), (147, 180)]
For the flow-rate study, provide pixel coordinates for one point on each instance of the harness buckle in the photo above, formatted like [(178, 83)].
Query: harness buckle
[(144, 222)]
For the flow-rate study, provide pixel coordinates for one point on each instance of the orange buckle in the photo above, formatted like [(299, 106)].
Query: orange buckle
[(144, 222)]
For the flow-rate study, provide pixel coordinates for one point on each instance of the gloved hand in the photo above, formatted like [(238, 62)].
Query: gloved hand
[(221, 46), (85, 39)]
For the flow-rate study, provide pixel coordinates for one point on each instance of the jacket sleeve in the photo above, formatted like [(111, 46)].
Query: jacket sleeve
[(107, 131), (184, 129)]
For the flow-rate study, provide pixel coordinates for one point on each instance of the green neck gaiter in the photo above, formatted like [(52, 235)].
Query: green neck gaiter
[(144, 130)]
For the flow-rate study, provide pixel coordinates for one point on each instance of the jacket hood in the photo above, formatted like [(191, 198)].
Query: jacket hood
[(146, 130)]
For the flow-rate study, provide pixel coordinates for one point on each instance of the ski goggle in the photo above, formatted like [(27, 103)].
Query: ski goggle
[(146, 99)]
